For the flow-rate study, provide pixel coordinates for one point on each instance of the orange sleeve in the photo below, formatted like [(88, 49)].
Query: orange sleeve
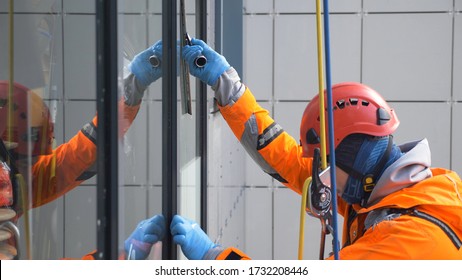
[(56, 174), (283, 153), (232, 253), (67, 167), (126, 118), (90, 256)]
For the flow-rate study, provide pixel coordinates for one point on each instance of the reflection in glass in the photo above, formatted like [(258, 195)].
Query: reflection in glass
[(50, 131), (48, 112)]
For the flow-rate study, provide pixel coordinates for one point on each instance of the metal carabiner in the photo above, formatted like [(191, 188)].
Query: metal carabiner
[(320, 199)]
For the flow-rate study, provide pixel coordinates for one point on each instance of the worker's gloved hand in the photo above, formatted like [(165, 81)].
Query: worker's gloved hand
[(143, 70), (192, 239), (138, 245), (215, 66)]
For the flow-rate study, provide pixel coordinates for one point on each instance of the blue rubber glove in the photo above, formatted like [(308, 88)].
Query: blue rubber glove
[(215, 66), (138, 245), (140, 66), (192, 239)]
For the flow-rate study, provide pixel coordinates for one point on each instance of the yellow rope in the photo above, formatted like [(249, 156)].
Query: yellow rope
[(322, 117), (301, 237)]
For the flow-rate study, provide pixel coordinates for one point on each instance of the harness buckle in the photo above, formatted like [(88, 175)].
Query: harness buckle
[(368, 183)]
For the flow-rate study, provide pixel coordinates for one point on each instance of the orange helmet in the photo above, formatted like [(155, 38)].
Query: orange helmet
[(30, 125), (357, 109)]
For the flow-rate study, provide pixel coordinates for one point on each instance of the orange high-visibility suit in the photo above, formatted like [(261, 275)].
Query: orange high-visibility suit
[(422, 220)]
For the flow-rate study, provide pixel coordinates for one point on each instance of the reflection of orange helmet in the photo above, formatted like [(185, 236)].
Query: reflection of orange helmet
[(357, 109), (30, 124)]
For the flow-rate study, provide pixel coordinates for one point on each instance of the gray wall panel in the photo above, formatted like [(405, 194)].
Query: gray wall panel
[(408, 56), (407, 5), (456, 155), (426, 120), (258, 46)]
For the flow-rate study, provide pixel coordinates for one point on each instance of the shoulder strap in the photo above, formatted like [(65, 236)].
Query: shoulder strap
[(449, 232), (387, 214)]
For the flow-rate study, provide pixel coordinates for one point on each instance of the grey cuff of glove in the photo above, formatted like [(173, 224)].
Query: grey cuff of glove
[(213, 253), (133, 91), (228, 88)]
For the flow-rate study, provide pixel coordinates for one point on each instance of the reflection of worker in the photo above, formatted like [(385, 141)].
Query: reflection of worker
[(26, 123), (196, 245), (394, 205), (138, 245), (140, 242), (9, 233)]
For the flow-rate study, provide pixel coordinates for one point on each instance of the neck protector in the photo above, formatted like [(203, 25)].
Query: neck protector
[(364, 158)]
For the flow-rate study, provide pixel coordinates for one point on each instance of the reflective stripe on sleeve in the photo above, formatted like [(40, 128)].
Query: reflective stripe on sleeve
[(269, 134), (253, 142), (89, 130)]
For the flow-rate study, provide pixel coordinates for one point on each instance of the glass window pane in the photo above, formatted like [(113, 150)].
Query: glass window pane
[(51, 71), (140, 154), (189, 157)]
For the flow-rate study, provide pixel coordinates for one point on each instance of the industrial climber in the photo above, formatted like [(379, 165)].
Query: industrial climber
[(394, 204)]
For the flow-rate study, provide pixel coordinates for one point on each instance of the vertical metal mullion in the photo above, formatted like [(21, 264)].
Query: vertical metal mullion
[(169, 121), (107, 139), (201, 119)]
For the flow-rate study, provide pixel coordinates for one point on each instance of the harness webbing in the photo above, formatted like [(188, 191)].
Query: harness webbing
[(386, 214), (449, 232)]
